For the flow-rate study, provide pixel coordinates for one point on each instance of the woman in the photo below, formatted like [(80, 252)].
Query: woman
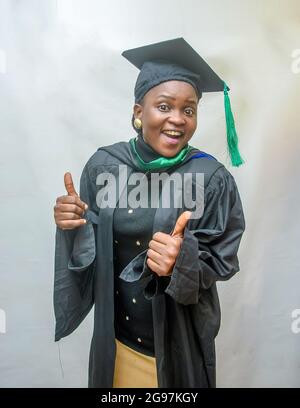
[(151, 270)]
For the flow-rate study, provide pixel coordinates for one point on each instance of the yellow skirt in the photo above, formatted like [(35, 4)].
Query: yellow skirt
[(133, 369)]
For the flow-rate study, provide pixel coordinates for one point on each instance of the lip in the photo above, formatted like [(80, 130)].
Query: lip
[(171, 140), (174, 130)]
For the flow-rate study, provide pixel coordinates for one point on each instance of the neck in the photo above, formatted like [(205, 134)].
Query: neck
[(161, 161), (146, 152)]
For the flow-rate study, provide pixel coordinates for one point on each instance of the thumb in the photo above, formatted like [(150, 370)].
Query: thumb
[(180, 224), (69, 184)]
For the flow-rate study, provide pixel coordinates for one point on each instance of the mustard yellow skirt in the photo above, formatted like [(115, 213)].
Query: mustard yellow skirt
[(133, 369)]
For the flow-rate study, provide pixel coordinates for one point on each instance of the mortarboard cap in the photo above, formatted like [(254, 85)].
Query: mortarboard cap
[(176, 60)]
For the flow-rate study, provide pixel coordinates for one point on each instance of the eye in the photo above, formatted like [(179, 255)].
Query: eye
[(189, 111), (163, 107)]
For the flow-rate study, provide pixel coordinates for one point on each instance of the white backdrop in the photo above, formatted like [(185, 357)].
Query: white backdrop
[(65, 90)]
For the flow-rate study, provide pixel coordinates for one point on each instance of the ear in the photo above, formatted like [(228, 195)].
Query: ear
[(138, 111)]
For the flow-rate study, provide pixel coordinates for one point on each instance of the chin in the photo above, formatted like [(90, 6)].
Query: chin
[(168, 153)]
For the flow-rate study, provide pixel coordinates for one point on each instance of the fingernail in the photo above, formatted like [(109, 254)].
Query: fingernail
[(84, 221), (86, 206)]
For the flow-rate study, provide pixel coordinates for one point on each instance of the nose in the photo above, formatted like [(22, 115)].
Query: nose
[(177, 118)]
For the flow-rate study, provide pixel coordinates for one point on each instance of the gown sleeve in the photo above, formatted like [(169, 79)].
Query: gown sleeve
[(75, 253), (210, 244)]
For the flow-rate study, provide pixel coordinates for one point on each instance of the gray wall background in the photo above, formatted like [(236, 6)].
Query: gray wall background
[(65, 90)]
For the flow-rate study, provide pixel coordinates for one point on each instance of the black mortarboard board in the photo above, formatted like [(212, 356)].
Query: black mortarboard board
[(178, 53), (176, 60)]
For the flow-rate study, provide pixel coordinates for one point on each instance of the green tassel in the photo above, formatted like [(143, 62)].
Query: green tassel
[(232, 137)]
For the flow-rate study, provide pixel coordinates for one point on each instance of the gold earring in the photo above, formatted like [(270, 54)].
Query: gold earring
[(137, 123)]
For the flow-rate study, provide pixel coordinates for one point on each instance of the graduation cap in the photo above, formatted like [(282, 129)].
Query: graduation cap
[(177, 60)]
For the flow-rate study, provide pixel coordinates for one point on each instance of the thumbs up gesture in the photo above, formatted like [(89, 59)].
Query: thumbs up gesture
[(69, 209), (164, 248)]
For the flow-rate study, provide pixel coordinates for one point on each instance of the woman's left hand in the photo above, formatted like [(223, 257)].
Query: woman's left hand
[(164, 248)]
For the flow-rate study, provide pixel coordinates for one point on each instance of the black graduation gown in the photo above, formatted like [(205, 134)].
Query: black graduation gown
[(186, 311)]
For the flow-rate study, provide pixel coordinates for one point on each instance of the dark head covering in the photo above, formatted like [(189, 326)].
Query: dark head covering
[(177, 60), (171, 60), (155, 72)]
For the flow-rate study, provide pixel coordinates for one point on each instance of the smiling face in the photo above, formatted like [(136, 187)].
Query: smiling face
[(169, 116)]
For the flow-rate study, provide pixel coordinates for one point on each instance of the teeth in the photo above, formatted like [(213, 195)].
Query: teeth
[(172, 133)]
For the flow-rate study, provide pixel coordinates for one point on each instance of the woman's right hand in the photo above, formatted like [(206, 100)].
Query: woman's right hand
[(69, 209)]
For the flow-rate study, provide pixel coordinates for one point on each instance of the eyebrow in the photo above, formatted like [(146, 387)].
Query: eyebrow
[(172, 97)]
